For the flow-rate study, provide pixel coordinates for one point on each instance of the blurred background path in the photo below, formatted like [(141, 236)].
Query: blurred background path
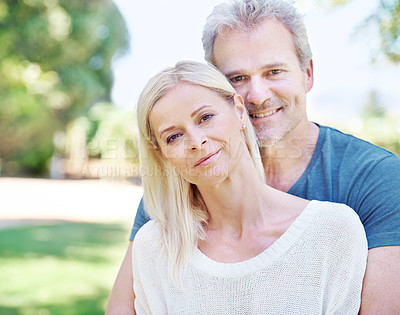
[(62, 242), (108, 201)]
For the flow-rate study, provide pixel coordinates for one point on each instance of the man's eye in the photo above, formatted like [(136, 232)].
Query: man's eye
[(173, 138), (205, 117), (237, 79), (276, 71)]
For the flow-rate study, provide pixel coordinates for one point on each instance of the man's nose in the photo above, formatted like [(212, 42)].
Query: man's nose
[(259, 91)]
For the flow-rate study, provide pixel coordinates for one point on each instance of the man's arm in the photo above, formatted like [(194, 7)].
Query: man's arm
[(379, 210), (122, 296), (381, 288), (140, 219)]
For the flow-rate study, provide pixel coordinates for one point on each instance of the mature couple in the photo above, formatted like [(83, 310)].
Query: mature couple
[(233, 230)]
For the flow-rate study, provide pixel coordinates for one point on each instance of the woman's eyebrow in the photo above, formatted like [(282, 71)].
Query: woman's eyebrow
[(165, 130), (199, 109), (192, 115)]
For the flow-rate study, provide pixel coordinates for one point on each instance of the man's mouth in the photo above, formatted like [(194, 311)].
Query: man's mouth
[(265, 114)]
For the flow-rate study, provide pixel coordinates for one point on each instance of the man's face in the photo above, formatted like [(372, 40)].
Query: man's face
[(263, 67)]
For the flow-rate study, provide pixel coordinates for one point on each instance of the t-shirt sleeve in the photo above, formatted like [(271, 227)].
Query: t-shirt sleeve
[(379, 203), (140, 219)]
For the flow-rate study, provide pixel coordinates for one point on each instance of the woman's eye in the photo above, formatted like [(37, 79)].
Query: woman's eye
[(237, 79), (205, 117), (173, 138)]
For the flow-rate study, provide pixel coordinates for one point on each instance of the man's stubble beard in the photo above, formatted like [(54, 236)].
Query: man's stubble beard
[(270, 136)]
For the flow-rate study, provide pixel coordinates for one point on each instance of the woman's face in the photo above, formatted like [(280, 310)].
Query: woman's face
[(199, 132)]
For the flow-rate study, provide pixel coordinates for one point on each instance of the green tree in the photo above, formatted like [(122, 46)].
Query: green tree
[(386, 19), (372, 107), (55, 62), (379, 125)]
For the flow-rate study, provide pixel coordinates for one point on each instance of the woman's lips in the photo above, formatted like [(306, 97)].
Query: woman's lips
[(207, 159)]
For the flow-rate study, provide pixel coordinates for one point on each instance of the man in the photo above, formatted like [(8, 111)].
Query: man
[(262, 48)]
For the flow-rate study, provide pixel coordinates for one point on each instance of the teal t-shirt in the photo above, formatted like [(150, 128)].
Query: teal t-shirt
[(346, 169)]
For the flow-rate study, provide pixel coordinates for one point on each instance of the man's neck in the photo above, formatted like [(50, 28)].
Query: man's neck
[(286, 161)]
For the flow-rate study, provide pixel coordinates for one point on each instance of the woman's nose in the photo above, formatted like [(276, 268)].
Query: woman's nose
[(197, 145), (197, 140)]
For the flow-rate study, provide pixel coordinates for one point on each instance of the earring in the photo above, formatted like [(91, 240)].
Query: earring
[(243, 127)]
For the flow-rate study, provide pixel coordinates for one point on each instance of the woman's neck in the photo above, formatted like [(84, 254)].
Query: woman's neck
[(246, 216), (238, 202)]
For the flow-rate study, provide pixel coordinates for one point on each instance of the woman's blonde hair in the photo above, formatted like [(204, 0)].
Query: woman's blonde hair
[(169, 199)]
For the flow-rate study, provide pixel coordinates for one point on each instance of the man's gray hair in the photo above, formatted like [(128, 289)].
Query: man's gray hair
[(248, 14)]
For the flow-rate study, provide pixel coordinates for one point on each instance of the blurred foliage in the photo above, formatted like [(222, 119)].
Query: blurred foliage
[(379, 125), (376, 124), (62, 268), (102, 143), (111, 133), (55, 62), (386, 19), (389, 27)]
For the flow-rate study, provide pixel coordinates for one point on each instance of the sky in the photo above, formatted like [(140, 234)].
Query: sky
[(164, 32)]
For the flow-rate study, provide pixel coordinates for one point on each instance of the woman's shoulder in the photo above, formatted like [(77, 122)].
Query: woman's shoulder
[(148, 236), (327, 207), (338, 219), (338, 212)]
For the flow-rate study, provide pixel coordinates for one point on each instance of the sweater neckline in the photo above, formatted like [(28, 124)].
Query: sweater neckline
[(229, 270)]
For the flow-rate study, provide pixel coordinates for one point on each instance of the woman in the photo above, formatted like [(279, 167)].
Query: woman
[(221, 241)]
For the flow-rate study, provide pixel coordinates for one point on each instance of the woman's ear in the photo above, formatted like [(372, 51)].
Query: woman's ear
[(239, 105), (155, 147)]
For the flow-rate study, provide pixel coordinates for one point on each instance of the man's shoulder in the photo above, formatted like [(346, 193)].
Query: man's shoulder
[(350, 147)]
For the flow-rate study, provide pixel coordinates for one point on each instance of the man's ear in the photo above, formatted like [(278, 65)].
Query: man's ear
[(309, 75), (239, 105)]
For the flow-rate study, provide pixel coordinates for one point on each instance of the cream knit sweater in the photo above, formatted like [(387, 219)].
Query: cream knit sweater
[(315, 267)]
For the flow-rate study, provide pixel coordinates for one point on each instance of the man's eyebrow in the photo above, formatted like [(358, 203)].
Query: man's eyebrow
[(236, 72), (265, 67)]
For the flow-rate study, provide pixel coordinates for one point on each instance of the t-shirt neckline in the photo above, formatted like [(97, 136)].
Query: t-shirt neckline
[(316, 155)]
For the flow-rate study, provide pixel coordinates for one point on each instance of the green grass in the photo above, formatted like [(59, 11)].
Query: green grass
[(63, 268)]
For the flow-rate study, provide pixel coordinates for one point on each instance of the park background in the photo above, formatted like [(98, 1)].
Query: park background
[(70, 75)]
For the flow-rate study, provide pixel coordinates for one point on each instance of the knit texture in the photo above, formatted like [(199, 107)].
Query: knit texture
[(315, 267)]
